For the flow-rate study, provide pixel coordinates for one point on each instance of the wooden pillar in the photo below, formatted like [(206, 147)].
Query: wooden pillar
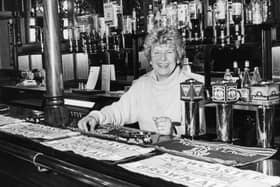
[(55, 112)]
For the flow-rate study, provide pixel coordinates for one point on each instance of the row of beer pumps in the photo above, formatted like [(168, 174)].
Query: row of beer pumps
[(265, 95)]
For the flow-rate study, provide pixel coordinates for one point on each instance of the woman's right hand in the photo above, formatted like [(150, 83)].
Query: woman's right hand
[(87, 123)]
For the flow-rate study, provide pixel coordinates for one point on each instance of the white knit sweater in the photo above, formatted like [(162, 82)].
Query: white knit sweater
[(148, 98)]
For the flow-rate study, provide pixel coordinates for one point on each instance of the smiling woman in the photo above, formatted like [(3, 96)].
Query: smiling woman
[(154, 99), (165, 35)]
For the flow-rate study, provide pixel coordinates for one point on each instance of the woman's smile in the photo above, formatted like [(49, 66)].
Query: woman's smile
[(163, 65)]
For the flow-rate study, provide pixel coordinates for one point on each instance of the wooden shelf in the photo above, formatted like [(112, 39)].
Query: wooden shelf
[(5, 15)]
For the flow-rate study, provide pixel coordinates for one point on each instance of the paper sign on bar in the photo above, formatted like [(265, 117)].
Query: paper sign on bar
[(93, 77), (108, 73)]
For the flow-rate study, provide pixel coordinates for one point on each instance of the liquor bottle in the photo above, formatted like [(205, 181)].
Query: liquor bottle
[(150, 19), (227, 75), (246, 83), (92, 42), (235, 69), (236, 74), (221, 19), (91, 46), (256, 78), (140, 18), (70, 40), (187, 66), (103, 42), (236, 14), (157, 19), (221, 11), (237, 18), (236, 11), (267, 11), (210, 16), (256, 11), (116, 42), (133, 21), (172, 18), (247, 65), (163, 14), (229, 13), (195, 9), (249, 13)]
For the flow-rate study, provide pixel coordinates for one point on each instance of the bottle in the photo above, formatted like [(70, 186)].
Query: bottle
[(133, 21), (227, 75), (236, 11), (195, 10), (246, 79), (221, 11), (236, 74), (187, 66), (256, 11), (103, 42), (221, 19), (235, 69), (237, 16), (150, 19), (247, 65), (249, 13), (246, 83), (256, 78)]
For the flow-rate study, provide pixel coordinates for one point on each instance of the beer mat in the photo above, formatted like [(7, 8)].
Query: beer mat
[(37, 131), (5, 120), (99, 149), (222, 153), (195, 173)]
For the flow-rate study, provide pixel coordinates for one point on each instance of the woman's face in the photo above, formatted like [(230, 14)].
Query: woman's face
[(163, 60)]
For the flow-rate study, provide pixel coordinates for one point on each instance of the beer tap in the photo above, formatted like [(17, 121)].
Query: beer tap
[(224, 94), (192, 92)]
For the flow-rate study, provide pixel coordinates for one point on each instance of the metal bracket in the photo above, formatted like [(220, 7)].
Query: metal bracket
[(39, 168)]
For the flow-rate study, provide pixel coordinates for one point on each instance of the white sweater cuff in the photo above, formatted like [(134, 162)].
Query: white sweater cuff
[(97, 115)]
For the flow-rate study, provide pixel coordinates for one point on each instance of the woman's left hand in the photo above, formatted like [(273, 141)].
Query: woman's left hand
[(164, 125)]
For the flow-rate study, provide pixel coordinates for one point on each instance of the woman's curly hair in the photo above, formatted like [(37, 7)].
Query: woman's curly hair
[(164, 35)]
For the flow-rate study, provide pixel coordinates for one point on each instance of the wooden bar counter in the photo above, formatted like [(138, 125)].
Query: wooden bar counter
[(27, 162)]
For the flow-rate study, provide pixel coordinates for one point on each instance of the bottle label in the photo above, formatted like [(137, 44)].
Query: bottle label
[(236, 9), (193, 10), (257, 16), (221, 10)]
